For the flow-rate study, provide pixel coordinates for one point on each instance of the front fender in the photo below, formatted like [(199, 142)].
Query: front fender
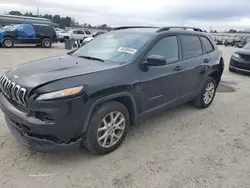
[(108, 98), (1, 36)]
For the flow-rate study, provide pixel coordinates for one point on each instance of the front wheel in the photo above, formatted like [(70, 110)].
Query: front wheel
[(108, 128), (8, 42), (207, 94), (231, 69)]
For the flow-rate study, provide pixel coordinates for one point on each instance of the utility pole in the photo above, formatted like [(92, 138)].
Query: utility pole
[(37, 10)]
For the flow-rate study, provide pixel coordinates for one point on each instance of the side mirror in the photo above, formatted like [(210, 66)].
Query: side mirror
[(155, 60)]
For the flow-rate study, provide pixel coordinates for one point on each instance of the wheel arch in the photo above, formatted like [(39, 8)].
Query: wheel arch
[(125, 98), (216, 75)]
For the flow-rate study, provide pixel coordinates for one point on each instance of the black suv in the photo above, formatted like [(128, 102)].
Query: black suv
[(92, 95), (41, 35)]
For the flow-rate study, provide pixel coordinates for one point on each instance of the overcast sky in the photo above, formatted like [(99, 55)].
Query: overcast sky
[(218, 14)]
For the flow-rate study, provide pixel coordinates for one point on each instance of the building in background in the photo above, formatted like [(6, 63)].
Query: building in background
[(10, 19)]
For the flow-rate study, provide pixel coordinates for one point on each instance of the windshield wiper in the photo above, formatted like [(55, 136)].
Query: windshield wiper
[(91, 58)]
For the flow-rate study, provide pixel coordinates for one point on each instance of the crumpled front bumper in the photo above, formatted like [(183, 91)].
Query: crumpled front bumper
[(57, 136), (40, 145)]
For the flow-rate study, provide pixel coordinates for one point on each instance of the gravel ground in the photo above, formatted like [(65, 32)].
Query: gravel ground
[(182, 148)]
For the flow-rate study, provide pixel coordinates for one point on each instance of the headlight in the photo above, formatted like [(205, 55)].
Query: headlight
[(61, 93), (236, 55)]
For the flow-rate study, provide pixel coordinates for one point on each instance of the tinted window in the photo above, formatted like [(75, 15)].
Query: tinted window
[(75, 32), (44, 29), (207, 44), (167, 47), (191, 46), (80, 32), (87, 32)]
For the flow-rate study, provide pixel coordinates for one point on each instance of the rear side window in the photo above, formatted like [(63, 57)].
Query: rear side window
[(45, 30), (87, 32), (191, 46), (167, 47), (207, 44)]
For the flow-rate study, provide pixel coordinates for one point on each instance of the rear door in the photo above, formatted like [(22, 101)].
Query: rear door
[(196, 61), (40, 33)]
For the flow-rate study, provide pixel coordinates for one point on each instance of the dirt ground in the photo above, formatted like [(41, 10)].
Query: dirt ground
[(182, 148)]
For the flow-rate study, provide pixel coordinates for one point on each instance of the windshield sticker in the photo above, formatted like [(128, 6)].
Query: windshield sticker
[(127, 50)]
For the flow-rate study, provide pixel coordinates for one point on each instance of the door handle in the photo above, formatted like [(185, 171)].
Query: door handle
[(178, 68), (206, 60)]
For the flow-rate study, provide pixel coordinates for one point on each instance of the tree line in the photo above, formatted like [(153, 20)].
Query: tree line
[(61, 21)]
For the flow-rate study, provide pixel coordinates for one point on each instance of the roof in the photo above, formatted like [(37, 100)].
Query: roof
[(22, 17), (10, 19), (156, 30)]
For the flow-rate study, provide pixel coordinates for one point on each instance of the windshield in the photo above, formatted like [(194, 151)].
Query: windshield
[(116, 47), (247, 46), (12, 28)]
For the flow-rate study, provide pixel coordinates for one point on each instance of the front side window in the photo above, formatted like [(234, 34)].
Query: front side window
[(191, 46), (80, 32), (115, 47), (75, 32), (167, 47)]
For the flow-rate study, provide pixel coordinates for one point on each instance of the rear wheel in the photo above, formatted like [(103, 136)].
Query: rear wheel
[(8, 42), (207, 94), (46, 43), (108, 128)]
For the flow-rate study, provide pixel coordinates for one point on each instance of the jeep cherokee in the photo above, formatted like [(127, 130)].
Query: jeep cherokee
[(92, 95)]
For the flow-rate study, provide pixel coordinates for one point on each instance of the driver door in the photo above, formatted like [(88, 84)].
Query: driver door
[(161, 85)]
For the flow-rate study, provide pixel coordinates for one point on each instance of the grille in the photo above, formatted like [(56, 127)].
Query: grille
[(245, 57), (12, 90)]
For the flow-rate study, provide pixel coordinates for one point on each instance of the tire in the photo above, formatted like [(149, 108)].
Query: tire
[(200, 101), (65, 38), (8, 42), (104, 111), (231, 69), (46, 43)]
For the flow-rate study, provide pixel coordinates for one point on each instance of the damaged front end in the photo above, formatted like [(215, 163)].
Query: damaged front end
[(41, 143)]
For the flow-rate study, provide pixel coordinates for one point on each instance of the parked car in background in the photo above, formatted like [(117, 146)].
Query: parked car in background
[(93, 94), (240, 60), (76, 34), (98, 33), (38, 34), (86, 40), (58, 30)]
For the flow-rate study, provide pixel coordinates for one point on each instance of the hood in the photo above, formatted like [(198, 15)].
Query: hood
[(35, 73), (243, 51)]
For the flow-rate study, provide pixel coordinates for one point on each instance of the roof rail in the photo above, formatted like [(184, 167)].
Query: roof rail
[(179, 27), (132, 27)]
